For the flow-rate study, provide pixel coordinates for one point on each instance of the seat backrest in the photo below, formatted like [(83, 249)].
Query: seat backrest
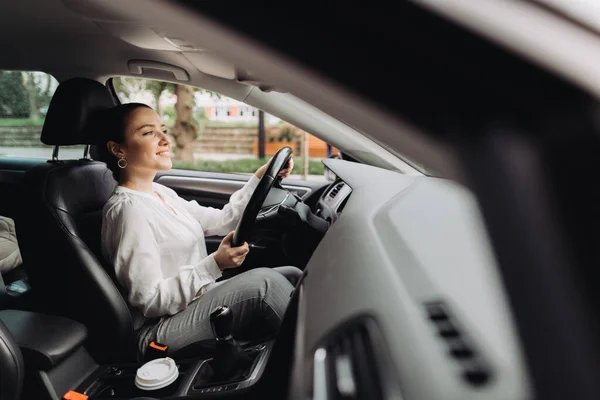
[(12, 370), (59, 228)]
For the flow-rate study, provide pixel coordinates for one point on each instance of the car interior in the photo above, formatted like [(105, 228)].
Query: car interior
[(450, 255)]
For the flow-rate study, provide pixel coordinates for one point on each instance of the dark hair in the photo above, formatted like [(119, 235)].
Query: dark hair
[(111, 127)]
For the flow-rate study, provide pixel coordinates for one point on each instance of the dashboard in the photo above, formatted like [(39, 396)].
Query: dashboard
[(402, 298)]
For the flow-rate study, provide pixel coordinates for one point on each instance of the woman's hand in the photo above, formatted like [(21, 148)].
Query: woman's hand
[(230, 257), (285, 172)]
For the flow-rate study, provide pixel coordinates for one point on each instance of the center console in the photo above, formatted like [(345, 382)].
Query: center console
[(58, 366), (117, 381)]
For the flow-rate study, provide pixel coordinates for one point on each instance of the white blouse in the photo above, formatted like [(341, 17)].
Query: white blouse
[(158, 252)]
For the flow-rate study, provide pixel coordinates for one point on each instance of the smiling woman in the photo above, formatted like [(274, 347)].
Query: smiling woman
[(155, 240), (135, 143)]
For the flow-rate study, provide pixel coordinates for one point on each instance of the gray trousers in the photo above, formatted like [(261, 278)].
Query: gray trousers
[(258, 299)]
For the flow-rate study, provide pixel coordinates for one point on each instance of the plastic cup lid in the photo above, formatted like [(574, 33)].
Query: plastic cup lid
[(156, 374)]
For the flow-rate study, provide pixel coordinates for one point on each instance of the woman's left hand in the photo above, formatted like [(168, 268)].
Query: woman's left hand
[(285, 172)]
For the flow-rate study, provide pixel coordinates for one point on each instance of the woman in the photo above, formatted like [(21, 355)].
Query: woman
[(155, 240)]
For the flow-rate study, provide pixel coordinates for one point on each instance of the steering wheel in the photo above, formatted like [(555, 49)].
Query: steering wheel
[(245, 224)]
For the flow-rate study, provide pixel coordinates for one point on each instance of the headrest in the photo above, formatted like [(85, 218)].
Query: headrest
[(73, 106)]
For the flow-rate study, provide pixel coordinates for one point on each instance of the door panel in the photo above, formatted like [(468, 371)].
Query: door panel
[(215, 192), (12, 171), (214, 189)]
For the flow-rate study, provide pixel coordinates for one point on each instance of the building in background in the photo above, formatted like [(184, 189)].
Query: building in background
[(229, 110)]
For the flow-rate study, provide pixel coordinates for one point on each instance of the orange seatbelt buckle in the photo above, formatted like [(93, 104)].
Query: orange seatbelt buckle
[(73, 395), (156, 350), (158, 346)]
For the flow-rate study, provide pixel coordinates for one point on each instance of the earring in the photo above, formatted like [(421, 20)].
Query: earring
[(122, 164)]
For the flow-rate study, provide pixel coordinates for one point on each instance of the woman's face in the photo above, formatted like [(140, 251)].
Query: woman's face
[(147, 148)]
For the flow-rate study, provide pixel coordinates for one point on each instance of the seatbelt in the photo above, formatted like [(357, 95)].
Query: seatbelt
[(4, 296)]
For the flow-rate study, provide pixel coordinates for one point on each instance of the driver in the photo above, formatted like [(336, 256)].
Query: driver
[(155, 241)]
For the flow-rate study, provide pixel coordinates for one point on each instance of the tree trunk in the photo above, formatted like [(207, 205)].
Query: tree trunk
[(158, 109), (157, 91), (29, 84), (184, 131), (48, 85), (305, 154), (261, 134)]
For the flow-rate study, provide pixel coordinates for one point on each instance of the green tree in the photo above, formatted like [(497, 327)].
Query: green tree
[(14, 102), (32, 94), (129, 89), (46, 85), (157, 88)]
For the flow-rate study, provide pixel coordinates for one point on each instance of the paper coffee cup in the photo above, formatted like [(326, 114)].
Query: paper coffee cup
[(156, 374)]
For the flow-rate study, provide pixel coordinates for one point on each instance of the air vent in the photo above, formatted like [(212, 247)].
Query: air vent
[(475, 370), (343, 204), (336, 190), (345, 367)]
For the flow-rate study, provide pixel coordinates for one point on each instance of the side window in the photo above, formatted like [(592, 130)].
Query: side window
[(24, 100), (221, 134)]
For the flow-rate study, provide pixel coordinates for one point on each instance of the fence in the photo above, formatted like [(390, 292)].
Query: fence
[(211, 140)]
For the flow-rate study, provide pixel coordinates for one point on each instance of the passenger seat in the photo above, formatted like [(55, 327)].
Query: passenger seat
[(12, 369)]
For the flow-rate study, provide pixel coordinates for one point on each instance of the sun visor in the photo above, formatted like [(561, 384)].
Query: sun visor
[(137, 35), (214, 65), (211, 64)]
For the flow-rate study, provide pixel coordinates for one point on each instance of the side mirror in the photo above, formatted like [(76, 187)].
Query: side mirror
[(329, 175)]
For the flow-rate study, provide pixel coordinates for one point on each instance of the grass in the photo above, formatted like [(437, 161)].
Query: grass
[(249, 165), (21, 122)]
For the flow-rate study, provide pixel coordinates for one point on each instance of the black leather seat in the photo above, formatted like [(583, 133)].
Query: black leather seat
[(59, 228), (12, 370)]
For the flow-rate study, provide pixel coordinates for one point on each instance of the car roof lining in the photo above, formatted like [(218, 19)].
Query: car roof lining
[(95, 41)]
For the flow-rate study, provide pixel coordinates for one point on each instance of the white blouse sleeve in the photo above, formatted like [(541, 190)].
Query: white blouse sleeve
[(216, 221), (133, 249)]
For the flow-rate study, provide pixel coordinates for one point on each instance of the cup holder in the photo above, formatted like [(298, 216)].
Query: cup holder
[(118, 382)]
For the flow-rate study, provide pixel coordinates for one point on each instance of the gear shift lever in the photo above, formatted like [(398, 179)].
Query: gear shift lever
[(221, 320), (230, 360)]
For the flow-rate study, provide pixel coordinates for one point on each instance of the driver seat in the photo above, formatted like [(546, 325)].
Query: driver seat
[(59, 228)]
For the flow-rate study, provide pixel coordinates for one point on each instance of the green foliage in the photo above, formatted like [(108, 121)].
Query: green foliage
[(200, 114), (286, 133), (14, 101), (246, 165), (18, 100), (129, 89), (45, 85), (21, 122), (169, 116), (158, 87)]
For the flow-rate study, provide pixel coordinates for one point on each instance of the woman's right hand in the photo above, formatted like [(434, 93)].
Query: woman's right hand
[(230, 257)]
